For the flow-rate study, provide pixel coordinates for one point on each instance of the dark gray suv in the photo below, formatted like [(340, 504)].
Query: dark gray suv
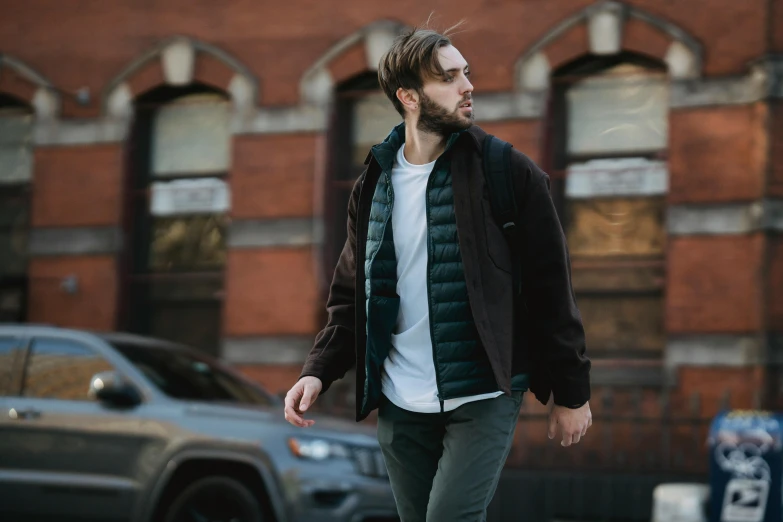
[(122, 427)]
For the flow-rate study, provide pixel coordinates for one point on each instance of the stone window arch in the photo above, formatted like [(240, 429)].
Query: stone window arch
[(178, 62), (182, 98), (607, 29)]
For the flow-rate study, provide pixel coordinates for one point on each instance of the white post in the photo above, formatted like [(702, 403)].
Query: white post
[(680, 503)]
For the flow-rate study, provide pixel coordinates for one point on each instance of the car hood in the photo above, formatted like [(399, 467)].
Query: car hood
[(325, 425)]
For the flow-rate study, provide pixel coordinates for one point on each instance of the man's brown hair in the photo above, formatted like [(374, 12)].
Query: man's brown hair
[(412, 58)]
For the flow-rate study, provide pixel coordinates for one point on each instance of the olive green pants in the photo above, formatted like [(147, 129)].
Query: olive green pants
[(444, 467)]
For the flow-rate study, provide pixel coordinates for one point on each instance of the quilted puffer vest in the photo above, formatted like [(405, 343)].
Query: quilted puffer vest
[(461, 365)]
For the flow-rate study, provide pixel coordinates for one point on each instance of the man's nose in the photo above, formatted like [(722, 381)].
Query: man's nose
[(468, 87)]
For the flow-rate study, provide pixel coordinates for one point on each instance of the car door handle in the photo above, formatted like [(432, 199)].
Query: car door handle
[(28, 413)]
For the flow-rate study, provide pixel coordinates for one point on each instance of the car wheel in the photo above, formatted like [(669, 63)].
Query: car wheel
[(214, 499)]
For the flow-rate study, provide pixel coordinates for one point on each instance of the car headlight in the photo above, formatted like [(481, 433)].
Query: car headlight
[(318, 449)]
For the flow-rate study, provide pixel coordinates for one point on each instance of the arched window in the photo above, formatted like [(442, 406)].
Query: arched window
[(363, 116), (610, 136), (178, 212), (16, 144)]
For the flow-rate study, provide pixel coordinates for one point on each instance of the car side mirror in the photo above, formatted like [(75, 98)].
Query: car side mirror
[(112, 388)]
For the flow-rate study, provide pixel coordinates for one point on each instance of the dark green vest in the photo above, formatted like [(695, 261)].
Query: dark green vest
[(461, 365)]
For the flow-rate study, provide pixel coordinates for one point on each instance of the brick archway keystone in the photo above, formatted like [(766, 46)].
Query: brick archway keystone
[(608, 28), (356, 53), (180, 60)]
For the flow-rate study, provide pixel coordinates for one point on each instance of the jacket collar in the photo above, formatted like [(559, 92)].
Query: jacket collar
[(386, 151)]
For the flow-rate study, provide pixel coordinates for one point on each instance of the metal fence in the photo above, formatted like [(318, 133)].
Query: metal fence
[(641, 437)]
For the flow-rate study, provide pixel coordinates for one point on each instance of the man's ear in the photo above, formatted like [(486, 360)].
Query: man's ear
[(409, 99)]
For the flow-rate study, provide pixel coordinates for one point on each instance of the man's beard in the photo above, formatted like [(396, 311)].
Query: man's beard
[(436, 119)]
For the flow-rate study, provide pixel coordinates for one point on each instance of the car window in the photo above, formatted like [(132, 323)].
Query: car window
[(61, 369), (9, 351), (186, 375)]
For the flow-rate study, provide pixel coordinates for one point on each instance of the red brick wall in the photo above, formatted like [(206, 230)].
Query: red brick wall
[(212, 71), (526, 136), (92, 307), (271, 291), (74, 187), (77, 186), (775, 186), (16, 85), (713, 284), (641, 37), (349, 63), (712, 384), (774, 284), (568, 47), (717, 154), (272, 176), (89, 49), (276, 378), (147, 77)]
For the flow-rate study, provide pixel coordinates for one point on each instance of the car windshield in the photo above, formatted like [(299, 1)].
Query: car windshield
[(186, 375)]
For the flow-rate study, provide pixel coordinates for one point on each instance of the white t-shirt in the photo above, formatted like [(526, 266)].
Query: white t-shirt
[(408, 378)]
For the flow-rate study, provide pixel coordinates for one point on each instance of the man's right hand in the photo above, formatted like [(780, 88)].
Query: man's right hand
[(299, 398)]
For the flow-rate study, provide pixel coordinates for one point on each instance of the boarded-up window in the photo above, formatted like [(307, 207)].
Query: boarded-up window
[(182, 203), (191, 136), (624, 109), (621, 325), (614, 206), (16, 142), (617, 227), (189, 219)]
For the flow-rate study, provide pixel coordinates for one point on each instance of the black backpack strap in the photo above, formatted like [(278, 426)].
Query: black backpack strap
[(500, 182)]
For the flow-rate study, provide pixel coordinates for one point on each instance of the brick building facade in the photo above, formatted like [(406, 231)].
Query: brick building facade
[(182, 170)]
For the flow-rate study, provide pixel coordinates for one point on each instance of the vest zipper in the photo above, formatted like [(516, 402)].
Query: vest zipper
[(429, 284)]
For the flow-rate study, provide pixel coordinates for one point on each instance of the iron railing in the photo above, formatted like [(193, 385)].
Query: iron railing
[(641, 436)]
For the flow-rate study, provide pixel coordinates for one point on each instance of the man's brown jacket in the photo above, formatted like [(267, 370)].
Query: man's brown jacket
[(541, 335)]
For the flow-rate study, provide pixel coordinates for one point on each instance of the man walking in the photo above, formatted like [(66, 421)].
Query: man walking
[(423, 301)]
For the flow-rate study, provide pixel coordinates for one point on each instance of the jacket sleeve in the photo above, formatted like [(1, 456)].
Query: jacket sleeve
[(554, 317), (333, 353)]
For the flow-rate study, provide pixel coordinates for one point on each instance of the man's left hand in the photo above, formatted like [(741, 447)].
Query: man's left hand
[(573, 423)]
